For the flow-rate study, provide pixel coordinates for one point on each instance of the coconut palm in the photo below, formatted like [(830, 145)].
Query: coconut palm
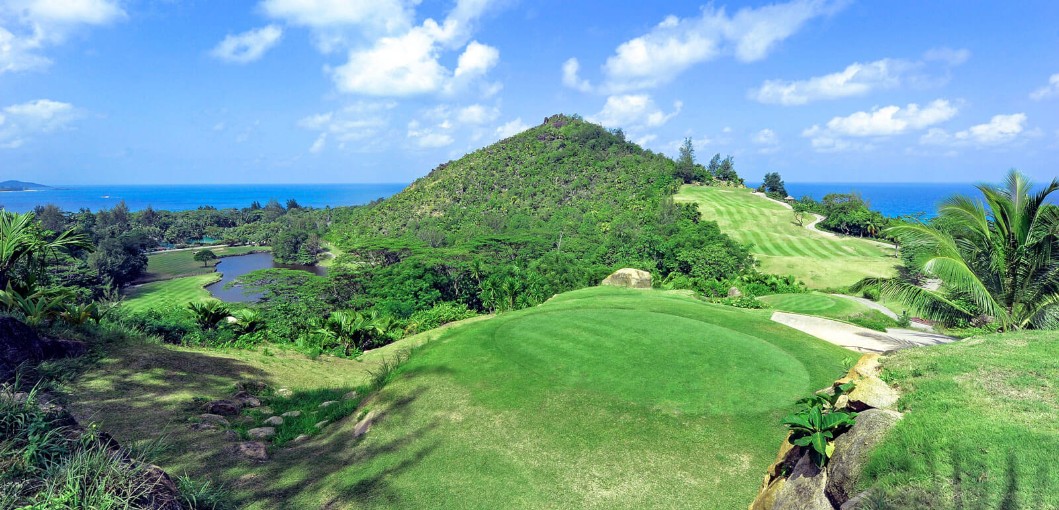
[(997, 258), (22, 240)]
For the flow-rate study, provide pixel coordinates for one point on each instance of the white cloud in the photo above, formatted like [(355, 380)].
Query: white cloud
[(477, 114), (28, 27), (676, 44), (338, 23), (1001, 129), (20, 122), (858, 79), (633, 112), (879, 122), (248, 46), (855, 80), (1047, 91), (429, 137), (766, 137), (571, 68), (511, 128), (408, 63), (357, 122)]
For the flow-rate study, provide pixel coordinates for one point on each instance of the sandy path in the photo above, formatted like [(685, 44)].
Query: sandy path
[(857, 338), (870, 304)]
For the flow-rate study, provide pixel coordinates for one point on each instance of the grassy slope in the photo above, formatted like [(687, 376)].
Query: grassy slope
[(166, 293), (178, 264), (981, 425), (143, 391), (785, 248), (600, 398)]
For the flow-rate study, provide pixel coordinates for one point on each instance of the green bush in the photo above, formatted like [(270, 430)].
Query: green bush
[(819, 421), (871, 293), (439, 314), (171, 324)]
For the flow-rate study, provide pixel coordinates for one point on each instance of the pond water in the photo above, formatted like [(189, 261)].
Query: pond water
[(236, 266)]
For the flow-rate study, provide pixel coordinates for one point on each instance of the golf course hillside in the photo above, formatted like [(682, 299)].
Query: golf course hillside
[(820, 259), (599, 398)]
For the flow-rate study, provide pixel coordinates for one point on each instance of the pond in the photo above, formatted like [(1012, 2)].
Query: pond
[(238, 265)]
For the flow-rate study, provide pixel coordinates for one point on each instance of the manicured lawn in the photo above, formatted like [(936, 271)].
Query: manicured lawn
[(177, 264), (601, 398), (783, 247), (981, 426), (832, 307), (166, 293)]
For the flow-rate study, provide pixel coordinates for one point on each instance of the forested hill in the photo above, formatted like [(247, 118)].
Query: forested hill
[(564, 203), (560, 167)]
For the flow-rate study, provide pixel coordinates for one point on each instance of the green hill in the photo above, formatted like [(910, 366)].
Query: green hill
[(822, 260), (551, 209)]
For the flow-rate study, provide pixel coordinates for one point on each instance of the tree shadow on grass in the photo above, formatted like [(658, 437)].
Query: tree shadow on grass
[(336, 462)]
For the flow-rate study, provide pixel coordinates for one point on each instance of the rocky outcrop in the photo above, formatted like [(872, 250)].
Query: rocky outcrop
[(630, 278), (20, 344), (794, 482)]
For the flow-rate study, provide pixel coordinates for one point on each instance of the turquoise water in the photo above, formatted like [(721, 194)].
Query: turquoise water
[(891, 199), (183, 197)]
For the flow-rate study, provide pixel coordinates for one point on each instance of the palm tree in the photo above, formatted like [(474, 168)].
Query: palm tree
[(998, 258), (22, 240)]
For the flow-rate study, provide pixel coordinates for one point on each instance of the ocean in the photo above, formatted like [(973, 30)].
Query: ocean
[(890, 199), (191, 196)]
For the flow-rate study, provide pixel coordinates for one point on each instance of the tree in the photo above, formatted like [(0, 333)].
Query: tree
[(23, 245), (686, 162), (715, 165), (205, 256), (799, 217), (773, 184), (998, 259)]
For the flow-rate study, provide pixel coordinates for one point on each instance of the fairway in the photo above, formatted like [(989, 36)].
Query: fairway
[(168, 293), (600, 398), (785, 248), (179, 263), (815, 303)]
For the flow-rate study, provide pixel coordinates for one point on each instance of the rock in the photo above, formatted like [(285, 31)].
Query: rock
[(804, 488), (284, 392), (162, 493), (872, 392), (246, 399), (251, 386), (261, 433), (734, 292), (292, 414), (766, 499), (215, 419), (59, 348), (18, 344), (630, 278), (204, 426), (274, 421), (231, 435), (861, 501), (301, 437), (323, 423), (223, 407), (364, 425), (350, 396), (252, 450), (329, 403), (852, 449)]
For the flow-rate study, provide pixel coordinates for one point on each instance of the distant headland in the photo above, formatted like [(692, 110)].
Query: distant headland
[(21, 186)]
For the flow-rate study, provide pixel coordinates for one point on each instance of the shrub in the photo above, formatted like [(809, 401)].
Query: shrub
[(817, 424), (440, 314), (871, 293), (171, 324)]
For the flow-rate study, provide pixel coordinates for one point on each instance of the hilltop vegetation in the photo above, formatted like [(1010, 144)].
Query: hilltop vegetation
[(554, 208)]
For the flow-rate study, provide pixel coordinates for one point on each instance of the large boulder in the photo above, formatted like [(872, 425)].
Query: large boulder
[(18, 344), (805, 489), (630, 278), (852, 449)]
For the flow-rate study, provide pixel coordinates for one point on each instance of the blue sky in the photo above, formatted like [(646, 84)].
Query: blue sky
[(274, 91)]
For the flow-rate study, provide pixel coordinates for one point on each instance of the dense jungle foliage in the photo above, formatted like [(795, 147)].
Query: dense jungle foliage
[(554, 208)]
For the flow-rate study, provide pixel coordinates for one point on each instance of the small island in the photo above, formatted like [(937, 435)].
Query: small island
[(22, 186)]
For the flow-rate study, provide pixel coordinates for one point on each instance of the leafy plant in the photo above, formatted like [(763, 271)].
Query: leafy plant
[(817, 424), (248, 321), (209, 314), (37, 307)]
